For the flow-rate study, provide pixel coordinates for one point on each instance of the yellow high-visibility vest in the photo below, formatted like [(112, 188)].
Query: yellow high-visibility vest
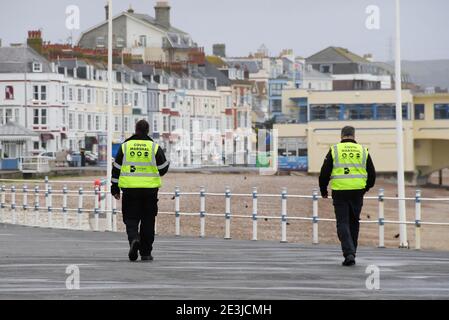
[(349, 166), (139, 168)]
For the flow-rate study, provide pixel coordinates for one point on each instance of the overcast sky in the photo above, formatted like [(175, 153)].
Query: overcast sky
[(243, 25)]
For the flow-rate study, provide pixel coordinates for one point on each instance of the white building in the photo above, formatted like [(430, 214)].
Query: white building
[(145, 37), (31, 96)]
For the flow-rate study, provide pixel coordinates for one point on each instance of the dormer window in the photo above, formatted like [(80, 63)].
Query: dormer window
[(37, 67), (120, 42), (100, 42)]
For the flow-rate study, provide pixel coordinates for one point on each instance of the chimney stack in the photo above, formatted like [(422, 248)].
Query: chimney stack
[(106, 9), (219, 49), (162, 10)]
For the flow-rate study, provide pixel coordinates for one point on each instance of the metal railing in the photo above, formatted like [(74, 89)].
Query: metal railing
[(100, 193)]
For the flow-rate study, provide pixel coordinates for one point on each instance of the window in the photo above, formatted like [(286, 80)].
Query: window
[(97, 123), (64, 116), (36, 145), (71, 121), (120, 42), (143, 41), (165, 124), (116, 124), (155, 127), (136, 99), (89, 95), (40, 116), (419, 112), (36, 93), (37, 67), (43, 116), (62, 93), (276, 105), (126, 124), (100, 42), (43, 93), (36, 116), (326, 68), (441, 111), (8, 115), (115, 98), (89, 122), (16, 115), (80, 95), (70, 94), (80, 122), (164, 100), (9, 93)]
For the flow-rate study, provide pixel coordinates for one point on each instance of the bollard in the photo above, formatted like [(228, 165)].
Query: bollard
[(228, 214), (96, 207), (25, 203), (13, 205), (177, 215), (49, 206), (254, 214), (315, 239), (36, 205), (80, 206), (284, 215), (64, 206), (2, 202), (202, 212), (114, 214), (418, 220), (381, 221), (25, 198)]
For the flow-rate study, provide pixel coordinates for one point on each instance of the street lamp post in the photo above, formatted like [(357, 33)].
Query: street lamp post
[(109, 143), (400, 134)]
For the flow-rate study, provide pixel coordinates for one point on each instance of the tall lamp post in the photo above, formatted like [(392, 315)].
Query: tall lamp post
[(109, 139), (400, 134)]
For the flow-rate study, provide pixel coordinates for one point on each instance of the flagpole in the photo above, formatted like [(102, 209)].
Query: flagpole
[(400, 134)]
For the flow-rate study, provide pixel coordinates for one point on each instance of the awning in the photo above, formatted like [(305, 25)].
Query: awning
[(47, 136)]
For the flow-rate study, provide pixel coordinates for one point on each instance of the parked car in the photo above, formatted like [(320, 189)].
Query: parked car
[(48, 154)]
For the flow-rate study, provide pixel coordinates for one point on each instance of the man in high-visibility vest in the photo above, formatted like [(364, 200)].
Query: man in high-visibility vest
[(350, 170), (139, 165)]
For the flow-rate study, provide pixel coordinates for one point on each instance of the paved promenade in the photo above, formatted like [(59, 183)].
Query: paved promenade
[(33, 264)]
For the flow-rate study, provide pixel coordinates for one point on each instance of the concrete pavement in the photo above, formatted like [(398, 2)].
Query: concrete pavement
[(33, 264)]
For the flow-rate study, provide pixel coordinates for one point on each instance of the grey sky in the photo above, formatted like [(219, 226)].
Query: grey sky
[(303, 25)]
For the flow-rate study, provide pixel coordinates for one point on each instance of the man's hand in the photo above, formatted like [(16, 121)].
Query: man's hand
[(324, 194), (116, 196)]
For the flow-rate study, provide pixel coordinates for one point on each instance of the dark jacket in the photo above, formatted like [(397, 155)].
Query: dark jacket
[(160, 161), (326, 171)]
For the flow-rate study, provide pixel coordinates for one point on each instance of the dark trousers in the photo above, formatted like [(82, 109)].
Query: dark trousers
[(347, 212), (140, 207)]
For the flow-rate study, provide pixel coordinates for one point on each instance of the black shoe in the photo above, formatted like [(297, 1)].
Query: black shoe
[(349, 261), (133, 250), (147, 258)]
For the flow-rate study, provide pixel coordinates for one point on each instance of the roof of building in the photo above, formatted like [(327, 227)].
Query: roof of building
[(336, 55), (252, 66), (212, 72), (149, 19), (14, 59), (216, 61), (12, 129)]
